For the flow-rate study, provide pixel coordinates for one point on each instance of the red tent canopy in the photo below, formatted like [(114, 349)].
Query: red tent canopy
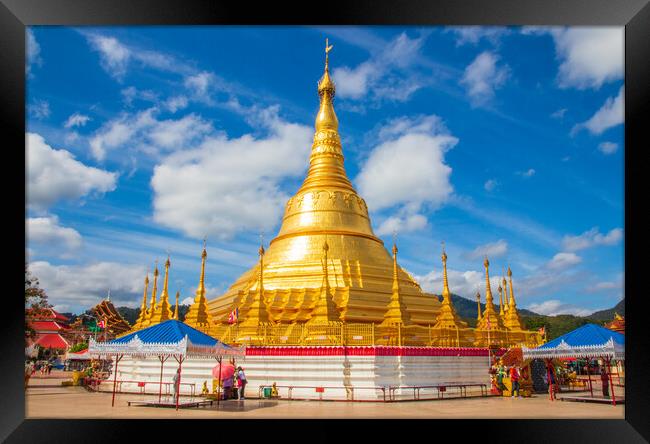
[(52, 340)]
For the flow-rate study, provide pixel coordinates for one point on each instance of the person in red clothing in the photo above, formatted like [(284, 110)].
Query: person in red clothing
[(514, 378)]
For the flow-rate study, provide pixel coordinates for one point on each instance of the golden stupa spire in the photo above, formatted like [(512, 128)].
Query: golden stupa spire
[(255, 312), (501, 312), (162, 312), (395, 313), (197, 315), (490, 319), (154, 291), (488, 289), (446, 294), (178, 294), (448, 318), (513, 320), (325, 308), (478, 305), (505, 295), (142, 316)]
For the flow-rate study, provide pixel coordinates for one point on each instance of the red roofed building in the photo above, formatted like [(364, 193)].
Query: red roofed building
[(51, 329)]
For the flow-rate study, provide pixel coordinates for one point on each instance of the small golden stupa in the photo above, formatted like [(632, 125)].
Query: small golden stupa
[(326, 264)]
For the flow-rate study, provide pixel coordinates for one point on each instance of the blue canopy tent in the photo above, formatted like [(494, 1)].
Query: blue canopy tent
[(586, 342), (167, 339)]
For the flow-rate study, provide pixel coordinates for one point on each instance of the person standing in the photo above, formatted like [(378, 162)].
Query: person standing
[(514, 378), (241, 382), (177, 384), (227, 388), (604, 379)]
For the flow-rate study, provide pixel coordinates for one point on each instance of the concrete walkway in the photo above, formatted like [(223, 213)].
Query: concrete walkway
[(45, 398)]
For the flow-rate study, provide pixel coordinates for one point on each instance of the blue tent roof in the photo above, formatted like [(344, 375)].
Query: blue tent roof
[(170, 331), (587, 335)]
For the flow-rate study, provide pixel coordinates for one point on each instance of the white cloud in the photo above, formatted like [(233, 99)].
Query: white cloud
[(559, 114), (462, 283), (416, 145), (474, 34), (53, 175), (529, 173), (589, 56), (176, 103), (554, 307), (608, 116), (33, 51), (592, 238), (76, 119), (83, 286), (200, 84), (225, 186), (563, 260), (47, 233), (490, 184), (608, 147), (377, 76), (177, 133), (494, 249), (482, 77), (40, 109), (604, 286), (144, 131), (114, 56), (402, 224)]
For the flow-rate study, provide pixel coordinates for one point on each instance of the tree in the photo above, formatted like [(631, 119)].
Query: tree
[(35, 301)]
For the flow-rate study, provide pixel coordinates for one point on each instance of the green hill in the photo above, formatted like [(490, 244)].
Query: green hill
[(608, 315)]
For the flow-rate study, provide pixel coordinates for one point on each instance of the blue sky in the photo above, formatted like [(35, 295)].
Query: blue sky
[(500, 141)]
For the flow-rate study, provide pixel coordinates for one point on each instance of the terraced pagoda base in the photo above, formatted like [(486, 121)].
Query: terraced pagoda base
[(336, 373)]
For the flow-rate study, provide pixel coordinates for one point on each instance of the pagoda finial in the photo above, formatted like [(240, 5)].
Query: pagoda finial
[(201, 290), (478, 303), (108, 296), (261, 276), (178, 293), (328, 48), (445, 282), (488, 290), (501, 310), (152, 308), (395, 279), (512, 305)]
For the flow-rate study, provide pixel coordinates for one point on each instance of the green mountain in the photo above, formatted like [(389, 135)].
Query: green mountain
[(608, 315), (131, 314), (555, 325)]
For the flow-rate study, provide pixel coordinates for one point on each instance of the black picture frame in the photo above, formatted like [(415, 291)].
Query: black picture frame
[(633, 14)]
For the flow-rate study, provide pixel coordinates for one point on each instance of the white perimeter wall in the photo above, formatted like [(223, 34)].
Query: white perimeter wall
[(332, 372)]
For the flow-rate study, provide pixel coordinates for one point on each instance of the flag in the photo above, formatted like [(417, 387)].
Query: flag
[(233, 316), (101, 324)]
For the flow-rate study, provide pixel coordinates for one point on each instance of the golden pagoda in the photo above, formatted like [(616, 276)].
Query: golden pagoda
[(326, 263), (142, 316), (449, 328), (490, 324), (146, 322), (162, 312), (198, 316), (512, 319)]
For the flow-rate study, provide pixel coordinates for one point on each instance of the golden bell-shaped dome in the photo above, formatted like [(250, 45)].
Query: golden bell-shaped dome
[(327, 210)]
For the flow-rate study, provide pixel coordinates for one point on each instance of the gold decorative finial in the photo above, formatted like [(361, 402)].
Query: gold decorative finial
[(328, 48), (509, 271), (444, 254)]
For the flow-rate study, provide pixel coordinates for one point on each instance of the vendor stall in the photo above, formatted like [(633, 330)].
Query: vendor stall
[(164, 340), (590, 341)]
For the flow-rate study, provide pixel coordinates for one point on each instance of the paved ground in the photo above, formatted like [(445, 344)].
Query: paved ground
[(46, 398)]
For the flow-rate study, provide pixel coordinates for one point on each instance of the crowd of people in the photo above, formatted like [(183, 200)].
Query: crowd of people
[(500, 371)]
